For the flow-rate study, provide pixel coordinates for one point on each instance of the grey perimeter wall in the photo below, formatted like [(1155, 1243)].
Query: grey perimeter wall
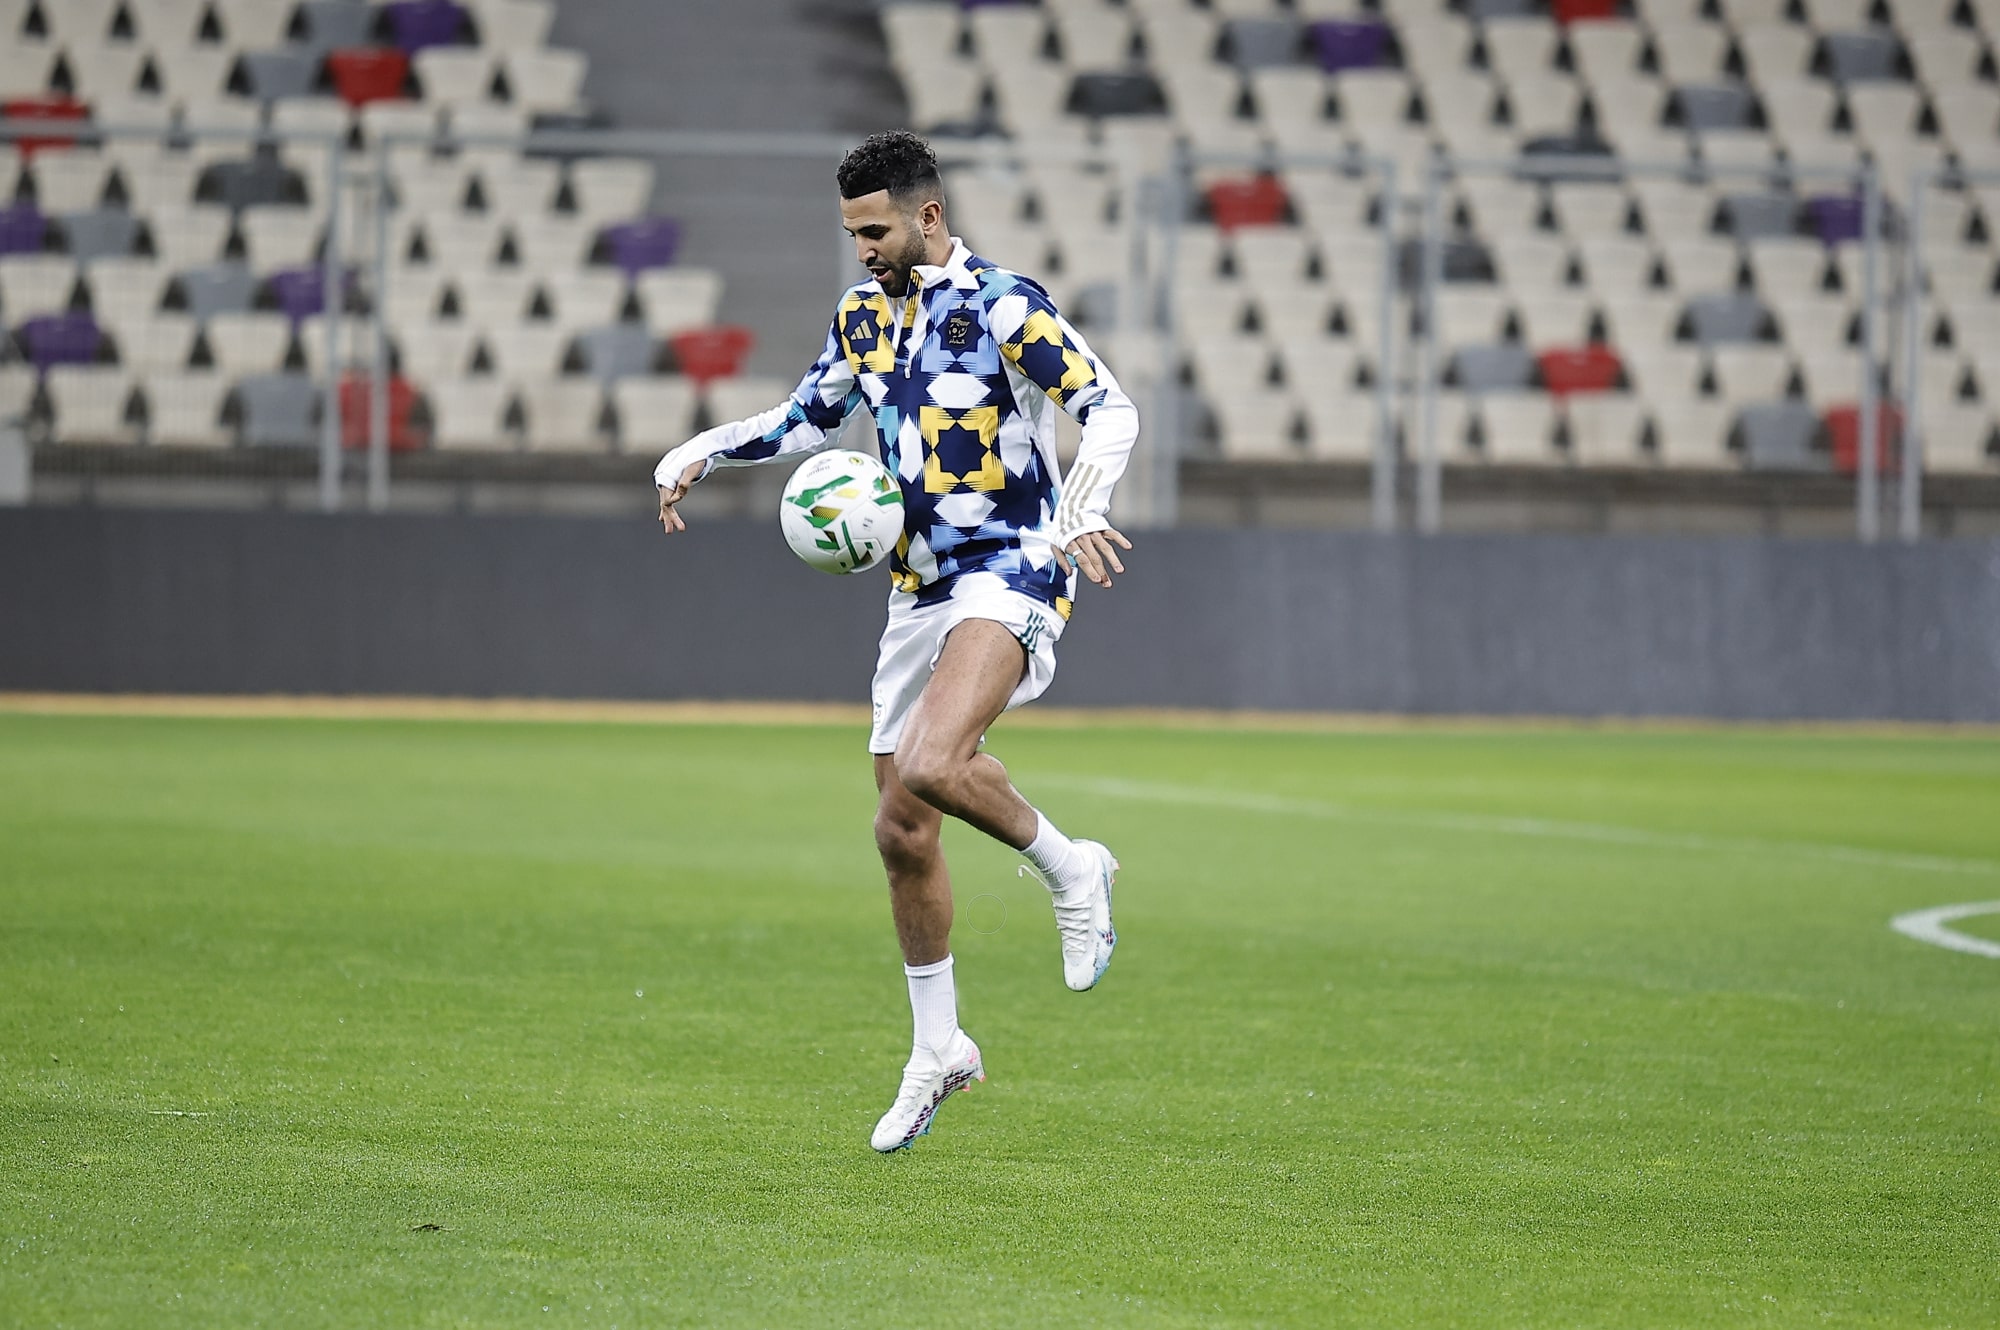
[(95, 600)]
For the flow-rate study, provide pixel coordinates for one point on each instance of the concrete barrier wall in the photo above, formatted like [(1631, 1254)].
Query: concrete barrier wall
[(163, 601)]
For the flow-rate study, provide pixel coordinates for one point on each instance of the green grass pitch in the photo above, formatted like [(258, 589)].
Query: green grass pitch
[(1411, 1028)]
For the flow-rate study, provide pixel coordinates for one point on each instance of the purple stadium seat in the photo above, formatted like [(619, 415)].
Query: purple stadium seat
[(649, 242), (300, 292), (22, 229), (61, 339), (417, 24), (1350, 43), (1836, 217)]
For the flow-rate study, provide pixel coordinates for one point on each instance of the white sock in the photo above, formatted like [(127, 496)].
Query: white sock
[(1055, 855), (933, 1005)]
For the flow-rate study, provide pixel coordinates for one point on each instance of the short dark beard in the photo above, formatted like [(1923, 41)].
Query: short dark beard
[(897, 283)]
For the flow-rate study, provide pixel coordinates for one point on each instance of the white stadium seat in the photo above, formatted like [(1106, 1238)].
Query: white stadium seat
[(675, 299), (525, 351), (32, 284), (248, 341), (562, 414), (155, 343), (514, 25), (1518, 428), (654, 414), (122, 289), (184, 410), (1605, 429), (452, 75), (469, 413), (609, 189), (90, 403), (546, 80)]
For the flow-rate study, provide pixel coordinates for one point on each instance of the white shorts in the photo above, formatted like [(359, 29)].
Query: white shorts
[(914, 638)]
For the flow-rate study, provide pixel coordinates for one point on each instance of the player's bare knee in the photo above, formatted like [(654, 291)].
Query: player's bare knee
[(929, 774), (906, 844)]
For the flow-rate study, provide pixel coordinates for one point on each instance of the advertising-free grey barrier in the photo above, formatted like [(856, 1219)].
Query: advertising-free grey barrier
[(164, 601)]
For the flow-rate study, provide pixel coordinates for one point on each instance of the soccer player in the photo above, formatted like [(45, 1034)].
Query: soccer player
[(962, 365)]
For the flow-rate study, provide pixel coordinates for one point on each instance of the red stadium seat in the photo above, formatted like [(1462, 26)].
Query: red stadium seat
[(1843, 429), (712, 353), (356, 404), (1252, 201), (1580, 369), (43, 108), (363, 74), (1580, 11)]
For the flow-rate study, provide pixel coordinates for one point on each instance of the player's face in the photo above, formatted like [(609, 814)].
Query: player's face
[(889, 241)]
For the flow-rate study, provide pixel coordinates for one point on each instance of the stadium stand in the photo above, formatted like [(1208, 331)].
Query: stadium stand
[(166, 285), (1709, 315)]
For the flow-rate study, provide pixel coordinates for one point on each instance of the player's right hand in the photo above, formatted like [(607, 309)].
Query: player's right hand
[(670, 520)]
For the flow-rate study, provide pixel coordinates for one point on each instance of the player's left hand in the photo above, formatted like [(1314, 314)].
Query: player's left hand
[(1094, 556)]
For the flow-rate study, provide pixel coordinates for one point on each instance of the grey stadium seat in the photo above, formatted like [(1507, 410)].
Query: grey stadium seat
[(1780, 436), (1726, 317), (1706, 106), (216, 288), (100, 233), (1854, 57), (274, 75), (1099, 93), (332, 24), (277, 410), (1261, 43), (1756, 216), (249, 183), (616, 351), (1502, 367)]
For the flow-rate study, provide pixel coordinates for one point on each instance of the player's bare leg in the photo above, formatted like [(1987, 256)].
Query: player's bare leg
[(942, 1058), (939, 761)]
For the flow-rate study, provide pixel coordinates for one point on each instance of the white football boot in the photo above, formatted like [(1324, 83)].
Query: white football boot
[(928, 1081), (1083, 917)]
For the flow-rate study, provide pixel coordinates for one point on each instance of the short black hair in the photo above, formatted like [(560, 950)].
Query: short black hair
[(897, 161)]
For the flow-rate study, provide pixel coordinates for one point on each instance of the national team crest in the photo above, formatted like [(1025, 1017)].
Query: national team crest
[(960, 330)]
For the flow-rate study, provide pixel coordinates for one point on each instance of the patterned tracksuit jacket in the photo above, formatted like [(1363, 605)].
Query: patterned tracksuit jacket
[(960, 377)]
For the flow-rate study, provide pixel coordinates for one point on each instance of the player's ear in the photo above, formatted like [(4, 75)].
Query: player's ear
[(930, 217)]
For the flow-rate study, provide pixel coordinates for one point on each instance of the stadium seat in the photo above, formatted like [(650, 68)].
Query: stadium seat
[(1831, 377), (514, 25), (739, 397), (251, 183), (640, 245), (98, 233), (675, 300), (1693, 432), (247, 341), (69, 181), (278, 410), (278, 237), (1858, 56), (1750, 373), (357, 405), (415, 25), (184, 409), (470, 413), (160, 343), (188, 236), (220, 131), (1518, 428), (271, 75), (52, 108), (496, 299), (89, 403), (368, 74), (330, 25), (587, 298), (1701, 263), (32, 284), (451, 75), (545, 80), (1554, 319), (440, 353), (525, 351), (215, 288), (526, 188), (605, 189), (1502, 367), (1715, 318), (616, 351), (654, 414), (300, 292), (1604, 429), (127, 288), (562, 415), (1780, 436), (1567, 370), (554, 243), (78, 23), (461, 242)]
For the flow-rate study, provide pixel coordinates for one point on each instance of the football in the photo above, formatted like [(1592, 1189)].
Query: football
[(842, 512)]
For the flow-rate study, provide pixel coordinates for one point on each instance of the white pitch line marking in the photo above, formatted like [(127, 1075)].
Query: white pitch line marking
[(1929, 926), (1540, 828)]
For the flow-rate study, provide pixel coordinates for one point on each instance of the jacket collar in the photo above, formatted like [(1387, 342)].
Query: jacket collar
[(953, 270)]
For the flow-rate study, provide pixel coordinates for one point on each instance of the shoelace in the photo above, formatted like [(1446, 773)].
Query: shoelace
[(1073, 923)]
